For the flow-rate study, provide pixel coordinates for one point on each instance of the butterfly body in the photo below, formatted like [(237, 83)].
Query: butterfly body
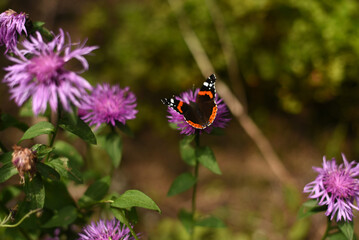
[(201, 113)]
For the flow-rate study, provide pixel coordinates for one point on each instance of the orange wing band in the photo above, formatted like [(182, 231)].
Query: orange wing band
[(210, 121), (209, 93), (213, 115), (179, 107), (195, 125)]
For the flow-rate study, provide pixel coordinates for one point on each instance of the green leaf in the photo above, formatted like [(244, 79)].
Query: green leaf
[(8, 193), (57, 195), (6, 157), (206, 157), (347, 229), (120, 214), (135, 198), (188, 153), (125, 216), (125, 129), (65, 169), (95, 192), (41, 150), (62, 218), (47, 171), (309, 208), (7, 171), (211, 222), (38, 24), (35, 192), (37, 130), (311, 203), (182, 183), (7, 121), (112, 143), (173, 126), (186, 219), (132, 216), (64, 149), (31, 222), (39, 27), (77, 127), (337, 236)]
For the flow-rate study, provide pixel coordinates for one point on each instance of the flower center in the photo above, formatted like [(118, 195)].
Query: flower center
[(339, 184), (45, 68), (108, 106)]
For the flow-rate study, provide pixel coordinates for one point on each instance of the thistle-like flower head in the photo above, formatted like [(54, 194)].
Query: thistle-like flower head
[(336, 187), (39, 73), (108, 104)]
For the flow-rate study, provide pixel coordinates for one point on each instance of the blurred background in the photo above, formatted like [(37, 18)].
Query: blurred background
[(292, 64)]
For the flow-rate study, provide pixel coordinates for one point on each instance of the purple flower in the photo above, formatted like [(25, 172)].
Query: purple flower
[(104, 230), (337, 187), (220, 120), (108, 104), (43, 76), (12, 24)]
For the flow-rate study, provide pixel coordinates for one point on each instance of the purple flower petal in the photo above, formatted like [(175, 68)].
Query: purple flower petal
[(106, 230), (12, 24), (108, 104), (44, 76), (336, 187)]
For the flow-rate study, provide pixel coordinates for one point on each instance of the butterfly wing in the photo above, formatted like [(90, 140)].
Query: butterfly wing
[(205, 100), (179, 106), (199, 114), (190, 112)]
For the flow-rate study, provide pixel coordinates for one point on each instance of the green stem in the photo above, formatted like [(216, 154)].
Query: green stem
[(113, 131), (52, 140), (327, 230), (56, 126), (21, 220), (128, 224), (194, 193)]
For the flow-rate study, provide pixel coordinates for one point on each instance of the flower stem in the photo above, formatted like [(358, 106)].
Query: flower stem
[(194, 193), (56, 126), (128, 224), (327, 230), (52, 140), (19, 222)]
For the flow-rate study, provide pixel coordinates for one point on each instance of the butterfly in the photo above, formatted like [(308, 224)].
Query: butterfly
[(201, 113)]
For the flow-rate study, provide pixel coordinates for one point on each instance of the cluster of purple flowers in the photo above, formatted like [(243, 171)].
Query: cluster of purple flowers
[(39, 73), (336, 187)]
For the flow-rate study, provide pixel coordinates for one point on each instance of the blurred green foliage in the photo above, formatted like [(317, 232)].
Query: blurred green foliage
[(297, 57)]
